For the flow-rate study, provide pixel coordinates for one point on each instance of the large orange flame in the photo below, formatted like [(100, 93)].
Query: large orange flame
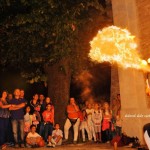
[(115, 45)]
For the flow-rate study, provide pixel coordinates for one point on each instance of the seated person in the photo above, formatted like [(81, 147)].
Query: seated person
[(56, 138), (46, 126), (33, 139)]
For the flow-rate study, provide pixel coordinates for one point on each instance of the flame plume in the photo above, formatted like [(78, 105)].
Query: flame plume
[(115, 45)]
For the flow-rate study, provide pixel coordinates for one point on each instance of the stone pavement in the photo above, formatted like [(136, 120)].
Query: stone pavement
[(83, 146)]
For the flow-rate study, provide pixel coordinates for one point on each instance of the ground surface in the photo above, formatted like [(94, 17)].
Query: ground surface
[(77, 147)]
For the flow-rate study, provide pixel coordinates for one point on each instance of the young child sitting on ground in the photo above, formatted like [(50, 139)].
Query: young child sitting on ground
[(33, 139), (56, 138)]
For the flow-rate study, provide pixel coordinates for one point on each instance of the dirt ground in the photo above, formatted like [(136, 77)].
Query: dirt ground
[(82, 146)]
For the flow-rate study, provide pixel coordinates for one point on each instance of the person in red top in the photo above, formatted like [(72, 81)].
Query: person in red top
[(72, 120), (46, 127)]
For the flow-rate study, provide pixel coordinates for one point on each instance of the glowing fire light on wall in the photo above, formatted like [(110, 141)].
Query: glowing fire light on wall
[(115, 45)]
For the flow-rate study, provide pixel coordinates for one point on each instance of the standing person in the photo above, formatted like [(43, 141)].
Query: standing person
[(17, 116), (35, 111), (115, 108), (47, 101), (42, 103), (46, 127), (97, 119), (4, 119), (10, 137), (27, 120), (72, 120), (118, 125), (34, 104), (106, 123), (9, 97), (41, 99), (22, 93), (84, 127), (89, 111)]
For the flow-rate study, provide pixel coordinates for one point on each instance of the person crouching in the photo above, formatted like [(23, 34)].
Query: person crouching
[(33, 139), (56, 138)]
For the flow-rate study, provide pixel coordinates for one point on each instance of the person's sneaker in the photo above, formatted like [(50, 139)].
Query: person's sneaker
[(22, 145), (53, 145), (28, 146), (10, 144), (53, 142), (49, 144), (65, 141), (16, 145), (74, 142)]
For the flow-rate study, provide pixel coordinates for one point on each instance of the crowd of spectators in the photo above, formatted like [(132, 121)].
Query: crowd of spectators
[(32, 124)]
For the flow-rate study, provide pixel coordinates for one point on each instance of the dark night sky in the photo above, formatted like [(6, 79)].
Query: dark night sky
[(100, 83), (11, 80)]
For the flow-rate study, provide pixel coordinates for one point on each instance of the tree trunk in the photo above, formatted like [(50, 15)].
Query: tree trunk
[(59, 78)]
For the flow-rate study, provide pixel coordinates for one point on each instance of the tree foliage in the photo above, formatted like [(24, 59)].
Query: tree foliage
[(38, 32)]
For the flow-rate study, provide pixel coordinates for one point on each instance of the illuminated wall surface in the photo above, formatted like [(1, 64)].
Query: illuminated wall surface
[(134, 15)]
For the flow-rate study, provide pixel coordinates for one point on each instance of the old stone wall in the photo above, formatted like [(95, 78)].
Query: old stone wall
[(134, 15)]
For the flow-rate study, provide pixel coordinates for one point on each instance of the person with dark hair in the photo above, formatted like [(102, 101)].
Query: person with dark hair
[(41, 99), (89, 111), (56, 138), (27, 120), (72, 120), (47, 101), (84, 126), (146, 130), (4, 119), (46, 126), (106, 123), (9, 97), (10, 136), (97, 119), (35, 111), (17, 116), (33, 139)]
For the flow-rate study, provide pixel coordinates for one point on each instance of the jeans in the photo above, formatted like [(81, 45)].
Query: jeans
[(46, 130), (18, 124), (108, 135), (10, 136), (3, 130), (118, 130), (75, 129)]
